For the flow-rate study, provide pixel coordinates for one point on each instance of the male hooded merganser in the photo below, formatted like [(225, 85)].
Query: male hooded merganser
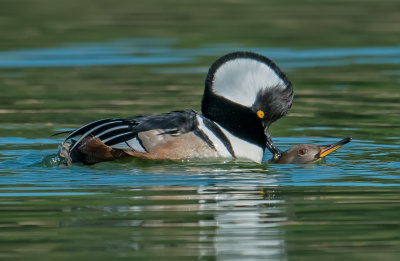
[(244, 93), (307, 153)]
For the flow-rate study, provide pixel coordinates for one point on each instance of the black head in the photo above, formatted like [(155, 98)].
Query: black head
[(245, 92), (307, 153)]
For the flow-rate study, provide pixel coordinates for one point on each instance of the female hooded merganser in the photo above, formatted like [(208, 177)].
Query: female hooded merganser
[(307, 153), (244, 93)]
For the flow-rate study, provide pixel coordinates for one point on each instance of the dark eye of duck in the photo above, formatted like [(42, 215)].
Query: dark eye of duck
[(302, 151)]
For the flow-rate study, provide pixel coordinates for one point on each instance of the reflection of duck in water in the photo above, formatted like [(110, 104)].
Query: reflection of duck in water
[(244, 93)]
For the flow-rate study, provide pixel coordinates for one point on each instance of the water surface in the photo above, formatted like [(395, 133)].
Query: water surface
[(130, 59)]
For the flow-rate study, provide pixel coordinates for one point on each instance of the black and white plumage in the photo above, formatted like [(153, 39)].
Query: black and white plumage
[(244, 93)]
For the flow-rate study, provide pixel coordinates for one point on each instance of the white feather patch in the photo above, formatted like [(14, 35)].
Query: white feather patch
[(121, 146), (219, 146), (115, 136), (135, 144), (129, 145), (240, 80), (244, 149)]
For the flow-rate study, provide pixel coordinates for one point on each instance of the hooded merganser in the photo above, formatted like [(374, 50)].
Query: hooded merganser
[(244, 93), (307, 153)]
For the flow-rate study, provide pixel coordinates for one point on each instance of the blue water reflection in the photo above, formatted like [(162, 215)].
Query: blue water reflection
[(159, 51)]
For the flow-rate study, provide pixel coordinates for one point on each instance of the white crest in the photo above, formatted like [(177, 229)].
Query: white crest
[(241, 79)]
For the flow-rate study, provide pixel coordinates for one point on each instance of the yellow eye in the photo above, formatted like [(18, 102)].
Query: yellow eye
[(260, 114)]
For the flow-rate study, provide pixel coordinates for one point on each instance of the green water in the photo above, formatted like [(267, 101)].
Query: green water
[(63, 64)]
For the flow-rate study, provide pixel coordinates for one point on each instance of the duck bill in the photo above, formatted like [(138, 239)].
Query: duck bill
[(328, 149)]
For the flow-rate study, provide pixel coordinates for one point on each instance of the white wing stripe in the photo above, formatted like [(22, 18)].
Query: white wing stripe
[(84, 126), (121, 146), (90, 131), (135, 144), (116, 136), (112, 129), (132, 144)]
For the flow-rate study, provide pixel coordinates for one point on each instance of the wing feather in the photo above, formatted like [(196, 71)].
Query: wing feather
[(124, 133), (89, 132), (122, 137), (85, 128)]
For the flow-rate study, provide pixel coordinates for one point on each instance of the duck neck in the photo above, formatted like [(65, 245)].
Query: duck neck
[(237, 119)]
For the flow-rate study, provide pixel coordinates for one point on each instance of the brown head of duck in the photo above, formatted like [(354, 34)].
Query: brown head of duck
[(307, 153)]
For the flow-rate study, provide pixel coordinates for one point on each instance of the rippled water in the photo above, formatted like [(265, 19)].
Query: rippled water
[(113, 63), (346, 206)]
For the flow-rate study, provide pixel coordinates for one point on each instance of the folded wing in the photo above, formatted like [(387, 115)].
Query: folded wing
[(139, 134)]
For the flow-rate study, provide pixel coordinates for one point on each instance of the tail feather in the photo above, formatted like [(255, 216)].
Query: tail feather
[(64, 154)]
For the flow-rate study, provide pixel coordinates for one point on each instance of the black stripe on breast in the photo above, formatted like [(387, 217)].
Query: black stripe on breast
[(214, 128), (199, 133)]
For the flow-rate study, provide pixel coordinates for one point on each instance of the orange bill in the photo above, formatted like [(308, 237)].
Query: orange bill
[(328, 149)]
